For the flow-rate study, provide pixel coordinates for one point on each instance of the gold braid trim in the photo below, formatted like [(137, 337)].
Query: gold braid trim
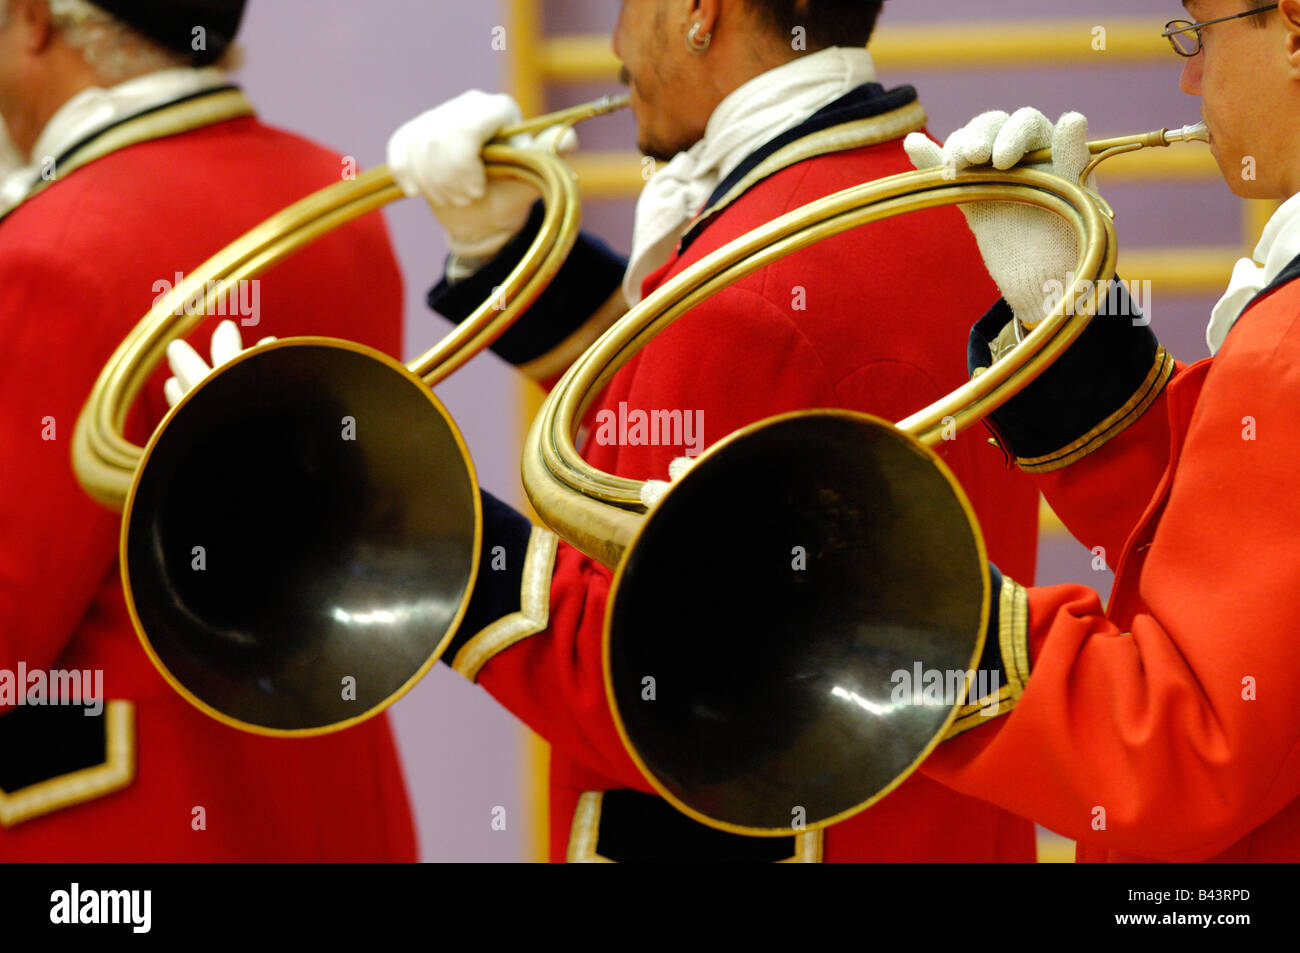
[(86, 784), (855, 134), (1013, 644), (584, 835), (534, 608), (1161, 370)]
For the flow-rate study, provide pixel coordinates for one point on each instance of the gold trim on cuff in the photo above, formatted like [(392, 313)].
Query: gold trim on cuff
[(85, 784), (1013, 644), (1161, 370), (534, 608), (557, 360), (584, 835)]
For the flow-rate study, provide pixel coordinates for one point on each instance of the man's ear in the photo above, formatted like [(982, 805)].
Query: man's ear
[(1289, 11), (706, 13), (33, 18)]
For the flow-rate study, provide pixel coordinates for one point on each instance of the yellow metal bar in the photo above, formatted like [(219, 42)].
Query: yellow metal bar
[(958, 46), (1189, 271), (606, 175), (527, 84), (1258, 212), (526, 78)]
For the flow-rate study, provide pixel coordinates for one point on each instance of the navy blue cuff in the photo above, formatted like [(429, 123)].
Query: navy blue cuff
[(497, 587), (991, 660), (1003, 667), (589, 277), (1101, 385)]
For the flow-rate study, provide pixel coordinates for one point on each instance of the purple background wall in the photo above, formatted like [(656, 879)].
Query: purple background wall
[(348, 74)]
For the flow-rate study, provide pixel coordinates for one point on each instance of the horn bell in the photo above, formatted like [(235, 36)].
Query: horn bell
[(303, 536), (770, 617)]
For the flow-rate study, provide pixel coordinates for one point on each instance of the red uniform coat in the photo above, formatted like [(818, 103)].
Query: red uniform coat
[(80, 263), (1162, 728), (855, 322)]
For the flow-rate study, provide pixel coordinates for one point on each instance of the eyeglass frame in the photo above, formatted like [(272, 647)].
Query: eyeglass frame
[(1170, 32)]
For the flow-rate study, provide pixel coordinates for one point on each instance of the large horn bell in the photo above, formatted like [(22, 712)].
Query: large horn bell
[(830, 548), (302, 537)]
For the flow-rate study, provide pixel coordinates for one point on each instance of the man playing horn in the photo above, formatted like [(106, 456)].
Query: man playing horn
[(751, 108), (134, 160), (1161, 727)]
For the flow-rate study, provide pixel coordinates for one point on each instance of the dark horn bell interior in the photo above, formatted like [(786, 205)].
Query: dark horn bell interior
[(776, 687), (307, 518)]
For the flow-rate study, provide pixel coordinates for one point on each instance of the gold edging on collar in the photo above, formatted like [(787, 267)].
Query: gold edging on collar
[(76, 787), (557, 360), (1123, 418), (584, 835), (856, 134), (534, 608), (158, 124)]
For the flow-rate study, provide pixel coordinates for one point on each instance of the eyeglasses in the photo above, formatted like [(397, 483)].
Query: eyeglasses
[(1185, 36)]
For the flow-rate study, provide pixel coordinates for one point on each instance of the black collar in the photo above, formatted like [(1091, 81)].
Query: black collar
[(862, 102), (87, 140)]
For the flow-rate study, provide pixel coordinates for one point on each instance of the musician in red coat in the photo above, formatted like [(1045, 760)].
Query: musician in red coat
[(134, 178), (847, 323), (1160, 727)]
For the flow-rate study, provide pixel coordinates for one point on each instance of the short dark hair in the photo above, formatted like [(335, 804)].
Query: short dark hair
[(825, 22), (1256, 5)]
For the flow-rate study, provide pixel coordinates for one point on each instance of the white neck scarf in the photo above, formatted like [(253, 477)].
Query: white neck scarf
[(94, 109), (750, 116), (1279, 244)]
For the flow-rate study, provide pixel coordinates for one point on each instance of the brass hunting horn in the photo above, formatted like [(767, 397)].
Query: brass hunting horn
[(301, 534), (772, 681)]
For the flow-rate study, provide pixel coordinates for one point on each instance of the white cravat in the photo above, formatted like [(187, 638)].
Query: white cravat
[(1279, 244), (94, 109), (751, 115)]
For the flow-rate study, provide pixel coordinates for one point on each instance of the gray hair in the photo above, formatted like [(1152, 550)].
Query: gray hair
[(115, 51)]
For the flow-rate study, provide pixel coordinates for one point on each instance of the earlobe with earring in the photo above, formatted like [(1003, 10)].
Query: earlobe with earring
[(696, 43)]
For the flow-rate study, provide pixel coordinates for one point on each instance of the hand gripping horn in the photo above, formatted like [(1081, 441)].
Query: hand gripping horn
[(753, 693), (301, 534)]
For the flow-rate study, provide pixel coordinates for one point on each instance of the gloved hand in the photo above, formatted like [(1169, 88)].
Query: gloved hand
[(439, 154), (1025, 249), (189, 368), (652, 491)]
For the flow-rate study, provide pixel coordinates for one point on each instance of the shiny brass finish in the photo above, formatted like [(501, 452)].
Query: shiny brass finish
[(105, 461), (301, 535), (771, 684)]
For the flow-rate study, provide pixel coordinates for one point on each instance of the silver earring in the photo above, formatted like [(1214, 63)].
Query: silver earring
[(696, 43)]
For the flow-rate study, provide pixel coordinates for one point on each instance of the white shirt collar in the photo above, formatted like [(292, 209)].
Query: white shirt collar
[(96, 108)]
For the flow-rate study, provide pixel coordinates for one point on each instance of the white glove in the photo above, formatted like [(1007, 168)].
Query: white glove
[(1029, 252), (189, 368), (439, 154), (652, 491)]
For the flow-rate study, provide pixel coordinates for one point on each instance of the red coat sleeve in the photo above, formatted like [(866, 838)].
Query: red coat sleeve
[(56, 544), (1101, 497), (1171, 732)]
